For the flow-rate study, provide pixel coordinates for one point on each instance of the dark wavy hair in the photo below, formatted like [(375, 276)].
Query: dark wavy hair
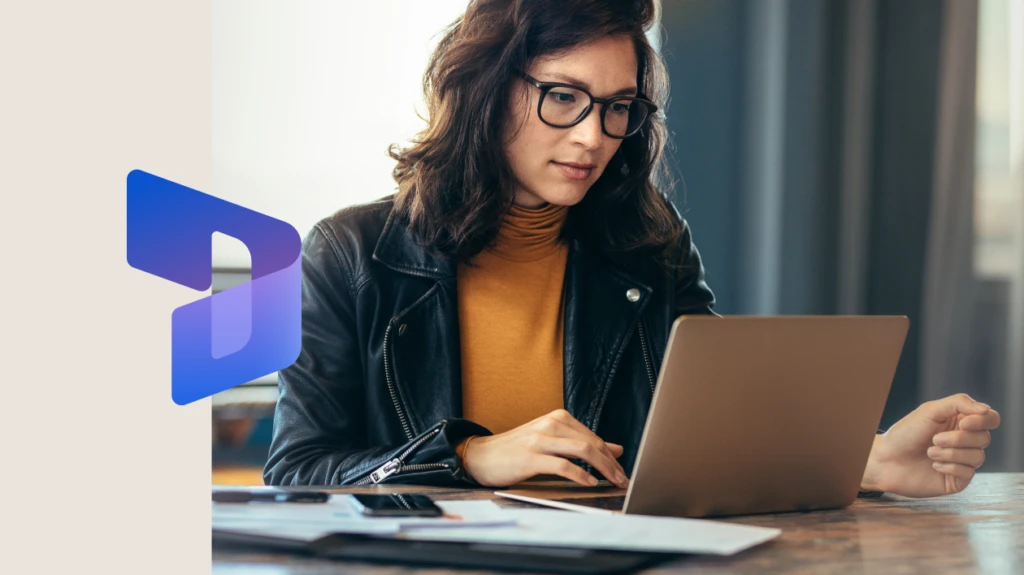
[(455, 183)]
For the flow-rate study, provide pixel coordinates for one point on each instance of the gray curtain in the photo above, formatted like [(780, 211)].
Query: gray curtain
[(828, 152), (949, 280), (963, 349)]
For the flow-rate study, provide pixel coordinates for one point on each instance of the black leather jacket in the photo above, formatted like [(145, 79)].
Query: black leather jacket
[(375, 395)]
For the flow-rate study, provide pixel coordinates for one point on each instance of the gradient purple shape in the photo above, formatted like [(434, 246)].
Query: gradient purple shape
[(231, 320), (236, 335)]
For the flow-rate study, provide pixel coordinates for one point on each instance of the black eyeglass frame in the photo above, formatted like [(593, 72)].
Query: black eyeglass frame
[(545, 87)]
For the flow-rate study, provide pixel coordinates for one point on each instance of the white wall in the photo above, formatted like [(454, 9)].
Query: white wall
[(307, 96)]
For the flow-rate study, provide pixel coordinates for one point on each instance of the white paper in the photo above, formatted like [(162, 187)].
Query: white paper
[(304, 530), (309, 521), (486, 522), (617, 532), (479, 513)]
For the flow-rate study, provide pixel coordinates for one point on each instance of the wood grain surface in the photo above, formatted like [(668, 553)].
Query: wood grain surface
[(978, 531)]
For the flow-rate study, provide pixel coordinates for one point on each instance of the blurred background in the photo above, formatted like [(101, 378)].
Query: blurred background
[(833, 157)]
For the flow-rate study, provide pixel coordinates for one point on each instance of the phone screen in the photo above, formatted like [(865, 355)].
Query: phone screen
[(397, 505)]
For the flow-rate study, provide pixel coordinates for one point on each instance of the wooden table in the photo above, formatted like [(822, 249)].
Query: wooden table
[(978, 531)]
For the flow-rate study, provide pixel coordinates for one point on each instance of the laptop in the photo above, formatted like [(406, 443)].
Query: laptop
[(757, 414)]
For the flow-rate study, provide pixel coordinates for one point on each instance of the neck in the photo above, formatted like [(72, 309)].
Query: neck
[(527, 234)]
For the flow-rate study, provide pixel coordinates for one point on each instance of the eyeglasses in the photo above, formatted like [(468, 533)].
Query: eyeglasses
[(564, 106)]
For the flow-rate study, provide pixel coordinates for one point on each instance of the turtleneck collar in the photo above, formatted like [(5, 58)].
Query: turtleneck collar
[(529, 234)]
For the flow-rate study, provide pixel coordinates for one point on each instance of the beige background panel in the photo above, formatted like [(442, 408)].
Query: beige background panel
[(99, 465)]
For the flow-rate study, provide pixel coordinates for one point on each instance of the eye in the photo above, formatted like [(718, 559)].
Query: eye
[(621, 107), (562, 97)]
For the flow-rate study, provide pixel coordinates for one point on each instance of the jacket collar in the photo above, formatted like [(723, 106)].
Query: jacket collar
[(398, 249)]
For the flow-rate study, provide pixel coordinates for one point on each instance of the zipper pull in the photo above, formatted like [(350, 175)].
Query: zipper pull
[(385, 471)]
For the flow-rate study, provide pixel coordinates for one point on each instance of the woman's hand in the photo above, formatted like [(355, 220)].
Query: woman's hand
[(542, 446), (934, 450)]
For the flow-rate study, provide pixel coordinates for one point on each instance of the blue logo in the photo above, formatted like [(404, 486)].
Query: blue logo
[(234, 336)]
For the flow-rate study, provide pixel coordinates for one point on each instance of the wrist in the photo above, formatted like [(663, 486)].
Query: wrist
[(872, 478), (462, 449)]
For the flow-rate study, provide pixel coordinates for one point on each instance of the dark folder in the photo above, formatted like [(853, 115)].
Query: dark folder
[(370, 548)]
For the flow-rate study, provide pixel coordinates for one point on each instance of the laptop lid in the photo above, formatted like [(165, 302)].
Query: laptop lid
[(758, 414)]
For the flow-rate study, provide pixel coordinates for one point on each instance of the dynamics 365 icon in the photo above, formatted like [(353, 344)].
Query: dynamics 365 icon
[(233, 336)]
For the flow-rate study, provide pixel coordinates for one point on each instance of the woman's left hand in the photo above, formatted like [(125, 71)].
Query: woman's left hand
[(934, 450)]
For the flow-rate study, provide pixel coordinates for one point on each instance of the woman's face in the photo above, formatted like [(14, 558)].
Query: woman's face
[(558, 165)]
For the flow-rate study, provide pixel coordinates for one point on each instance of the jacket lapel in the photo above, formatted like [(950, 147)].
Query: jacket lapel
[(424, 335), (600, 318), (399, 250)]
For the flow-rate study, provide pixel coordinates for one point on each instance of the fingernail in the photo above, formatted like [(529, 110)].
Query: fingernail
[(591, 480), (933, 451), (620, 478)]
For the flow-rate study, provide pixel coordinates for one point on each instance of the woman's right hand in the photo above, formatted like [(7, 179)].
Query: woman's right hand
[(542, 446)]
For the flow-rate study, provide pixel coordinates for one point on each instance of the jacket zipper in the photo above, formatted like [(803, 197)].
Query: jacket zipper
[(650, 377), (395, 465), (392, 389), (391, 385), (647, 356)]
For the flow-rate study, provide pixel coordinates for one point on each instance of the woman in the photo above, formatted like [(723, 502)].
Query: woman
[(504, 313)]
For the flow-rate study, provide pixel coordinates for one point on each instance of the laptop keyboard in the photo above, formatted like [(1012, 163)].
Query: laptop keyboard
[(612, 503)]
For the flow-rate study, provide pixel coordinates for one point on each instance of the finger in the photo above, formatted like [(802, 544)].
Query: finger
[(941, 410), (586, 451), (960, 438), (557, 428), (987, 420), (568, 426), (970, 457), (616, 448), (552, 465), (962, 472)]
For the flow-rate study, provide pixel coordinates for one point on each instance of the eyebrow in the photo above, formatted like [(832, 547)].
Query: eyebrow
[(630, 91)]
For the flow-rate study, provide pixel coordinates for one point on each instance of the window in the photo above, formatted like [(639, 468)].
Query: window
[(999, 157)]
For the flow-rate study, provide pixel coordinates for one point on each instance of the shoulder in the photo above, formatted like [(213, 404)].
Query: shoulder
[(344, 241), (360, 223)]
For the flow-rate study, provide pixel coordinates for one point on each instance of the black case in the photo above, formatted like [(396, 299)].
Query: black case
[(370, 548)]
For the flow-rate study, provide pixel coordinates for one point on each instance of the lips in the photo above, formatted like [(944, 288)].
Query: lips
[(575, 170)]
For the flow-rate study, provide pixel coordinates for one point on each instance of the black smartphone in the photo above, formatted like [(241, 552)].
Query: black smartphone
[(396, 505)]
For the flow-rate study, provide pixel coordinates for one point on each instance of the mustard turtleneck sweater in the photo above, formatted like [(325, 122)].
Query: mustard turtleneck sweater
[(510, 321)]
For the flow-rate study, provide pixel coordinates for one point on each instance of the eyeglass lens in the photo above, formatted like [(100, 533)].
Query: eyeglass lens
[(562, 106)]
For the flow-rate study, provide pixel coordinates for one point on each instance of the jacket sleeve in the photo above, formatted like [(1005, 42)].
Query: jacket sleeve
[(319, 435), (872, 494), (692, 296)]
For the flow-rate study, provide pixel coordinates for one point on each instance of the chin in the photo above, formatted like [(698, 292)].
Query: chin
[(566, 195)]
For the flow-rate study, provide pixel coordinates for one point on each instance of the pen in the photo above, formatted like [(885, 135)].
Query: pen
[(270, 496)]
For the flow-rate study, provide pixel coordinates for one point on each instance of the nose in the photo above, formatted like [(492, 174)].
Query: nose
[(588, 132)]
